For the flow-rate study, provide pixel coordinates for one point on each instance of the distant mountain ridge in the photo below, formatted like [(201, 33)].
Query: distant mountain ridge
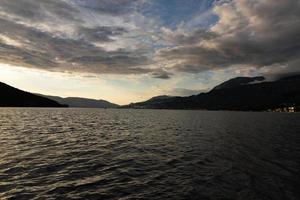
[(160, 97), (78, 102), (241, 93), (13, 97), (239, 81)]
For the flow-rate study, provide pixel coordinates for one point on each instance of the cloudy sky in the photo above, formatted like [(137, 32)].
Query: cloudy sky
[(130, 50)]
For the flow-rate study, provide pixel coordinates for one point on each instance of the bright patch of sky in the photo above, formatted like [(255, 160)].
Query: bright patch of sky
[(175, 12), (130, 50)]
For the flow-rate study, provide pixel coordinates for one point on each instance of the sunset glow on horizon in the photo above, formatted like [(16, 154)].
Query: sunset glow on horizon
[(127, 51)]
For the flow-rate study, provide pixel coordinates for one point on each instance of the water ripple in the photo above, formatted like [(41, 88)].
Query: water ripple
[(148, 154)]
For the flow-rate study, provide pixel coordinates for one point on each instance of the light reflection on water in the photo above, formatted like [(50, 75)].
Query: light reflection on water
[(148, 154)]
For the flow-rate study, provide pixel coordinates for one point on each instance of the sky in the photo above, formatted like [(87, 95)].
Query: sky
[(127, 51)]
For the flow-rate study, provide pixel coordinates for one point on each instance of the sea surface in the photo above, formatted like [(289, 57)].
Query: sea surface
[(148, 154)]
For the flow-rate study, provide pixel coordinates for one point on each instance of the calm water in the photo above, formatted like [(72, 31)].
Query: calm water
[(148, 154)]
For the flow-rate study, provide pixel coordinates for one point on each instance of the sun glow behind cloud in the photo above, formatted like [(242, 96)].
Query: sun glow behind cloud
[(114, 88), (64, 85), (129, 50)]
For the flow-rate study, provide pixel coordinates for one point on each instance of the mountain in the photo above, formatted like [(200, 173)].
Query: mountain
[(239, 81), (13, 97), (150, 103), (162, 97), (242, 93), (78, 102)]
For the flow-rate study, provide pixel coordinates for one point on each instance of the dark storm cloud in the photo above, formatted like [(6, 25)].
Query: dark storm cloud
[(249, 33)]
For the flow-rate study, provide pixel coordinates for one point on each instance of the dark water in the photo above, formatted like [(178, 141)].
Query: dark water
[(148, 154)]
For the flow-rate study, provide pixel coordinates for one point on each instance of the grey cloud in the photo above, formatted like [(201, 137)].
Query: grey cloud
[(195, 37), (100, 34), (197, 59), (161, 74), (41, 10), (115, 7), (253, 33), (45, 51), (68, 52), (36, 10), (281, 71)]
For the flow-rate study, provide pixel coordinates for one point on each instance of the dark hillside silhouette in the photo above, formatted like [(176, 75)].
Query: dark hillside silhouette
[(12, 97), (78, 102), (241, 94)]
